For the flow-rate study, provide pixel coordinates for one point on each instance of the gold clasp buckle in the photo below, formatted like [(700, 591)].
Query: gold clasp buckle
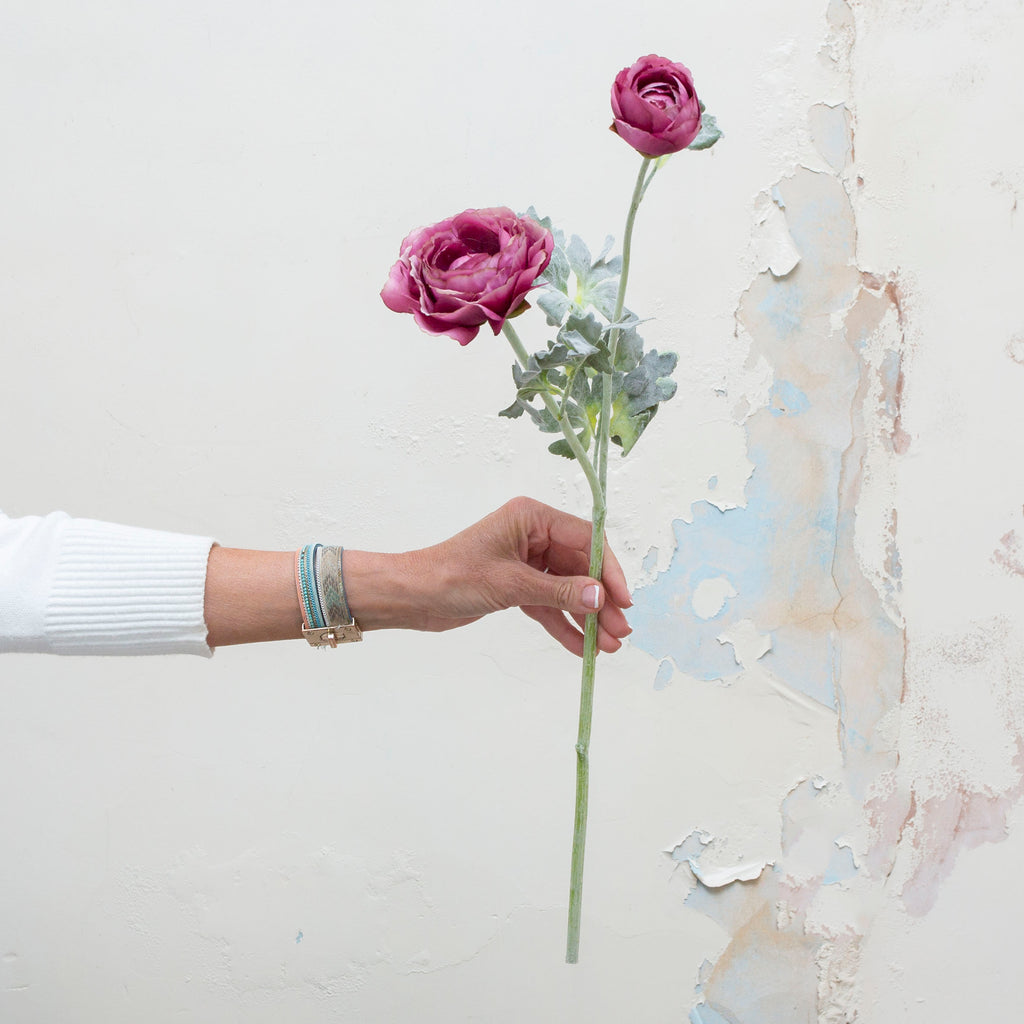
[(331, 636)]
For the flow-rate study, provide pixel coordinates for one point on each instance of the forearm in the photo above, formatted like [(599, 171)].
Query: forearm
[(251, 596)]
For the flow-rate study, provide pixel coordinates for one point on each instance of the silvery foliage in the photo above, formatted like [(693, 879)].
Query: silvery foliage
[(709, 132), (578, 299)]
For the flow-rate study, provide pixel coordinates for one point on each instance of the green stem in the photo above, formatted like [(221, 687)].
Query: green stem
[(598, 512), (579, 832), (620, 301), (572, 945), (597, 478)]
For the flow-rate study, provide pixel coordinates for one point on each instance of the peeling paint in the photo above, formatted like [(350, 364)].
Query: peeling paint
[(721, 870), (711, 595), (749, 644), (704, 1014), (841, 866), (763, 977), (832, 133), (773, 247), (779, 554), (838, 961), (831, 335), (664, 674), (811, 563), (718, 879), (691, 846)]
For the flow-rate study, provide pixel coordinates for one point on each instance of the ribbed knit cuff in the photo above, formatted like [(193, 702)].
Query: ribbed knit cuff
[(125, 590)]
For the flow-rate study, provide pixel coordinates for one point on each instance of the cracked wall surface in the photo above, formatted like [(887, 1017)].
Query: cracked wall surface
[(808, 594), (830, 334)]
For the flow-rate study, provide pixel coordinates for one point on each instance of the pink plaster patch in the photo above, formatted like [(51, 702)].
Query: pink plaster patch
[(1010, 553), (944, 825)]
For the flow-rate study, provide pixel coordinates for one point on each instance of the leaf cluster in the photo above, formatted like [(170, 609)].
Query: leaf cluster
[(588, 348)]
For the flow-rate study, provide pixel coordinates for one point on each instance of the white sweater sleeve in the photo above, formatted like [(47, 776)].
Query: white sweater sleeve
[(79, 586)]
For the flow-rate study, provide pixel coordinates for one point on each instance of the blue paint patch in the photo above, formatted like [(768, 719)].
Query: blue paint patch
[(691, 847), (298, 938), (806, 660), (783, 307), (841, 866), (664, 675), (833, 136), (786, 399), (895, 565), (704, 1014), (765, 549), (822, 228), (712, 483), (715, 543), (853, 740)]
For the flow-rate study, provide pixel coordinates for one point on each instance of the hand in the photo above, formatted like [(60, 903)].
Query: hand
[(525, 554)]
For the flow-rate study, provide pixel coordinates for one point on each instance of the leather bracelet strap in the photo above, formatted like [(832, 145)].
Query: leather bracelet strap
[(327, 620), (332, 586)]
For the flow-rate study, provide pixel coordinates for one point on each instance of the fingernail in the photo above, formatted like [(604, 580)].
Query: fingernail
[(590, 596)]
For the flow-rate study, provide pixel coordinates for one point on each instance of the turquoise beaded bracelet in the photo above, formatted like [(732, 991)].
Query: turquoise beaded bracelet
[(326, 618)]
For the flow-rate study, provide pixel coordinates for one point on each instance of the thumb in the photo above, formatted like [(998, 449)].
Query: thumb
[(577, 595)]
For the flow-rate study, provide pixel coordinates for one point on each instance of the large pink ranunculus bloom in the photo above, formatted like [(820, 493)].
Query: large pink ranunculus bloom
[(473, 269), (656, 109)]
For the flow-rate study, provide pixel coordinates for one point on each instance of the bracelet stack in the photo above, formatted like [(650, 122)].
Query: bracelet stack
[(326, 618)]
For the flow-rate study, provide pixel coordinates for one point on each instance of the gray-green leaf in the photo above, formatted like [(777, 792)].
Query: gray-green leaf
[(555, 304), (579, 257), (709, 132)]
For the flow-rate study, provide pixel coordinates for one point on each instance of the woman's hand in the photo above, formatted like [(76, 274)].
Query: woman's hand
[(526, 554)]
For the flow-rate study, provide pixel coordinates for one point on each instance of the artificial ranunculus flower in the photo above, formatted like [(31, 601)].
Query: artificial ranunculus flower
[(472, 269), (592, 380), (655, 106)]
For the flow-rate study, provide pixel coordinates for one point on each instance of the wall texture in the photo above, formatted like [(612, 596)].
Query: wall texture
[(807, 764)]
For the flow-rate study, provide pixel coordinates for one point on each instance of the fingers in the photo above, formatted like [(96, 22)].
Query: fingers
[(525, 586), (562, 543), (568, 562), (549, 580), (612, 627), (559, 627), (612, 621), (562, 560), (614, 579), (556, 624)]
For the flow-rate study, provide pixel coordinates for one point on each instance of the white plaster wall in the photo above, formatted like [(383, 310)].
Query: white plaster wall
[(938, 109), (200, 204)]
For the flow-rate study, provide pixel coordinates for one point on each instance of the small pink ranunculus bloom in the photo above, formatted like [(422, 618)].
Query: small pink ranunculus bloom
[(472, 269), (656, 109)]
